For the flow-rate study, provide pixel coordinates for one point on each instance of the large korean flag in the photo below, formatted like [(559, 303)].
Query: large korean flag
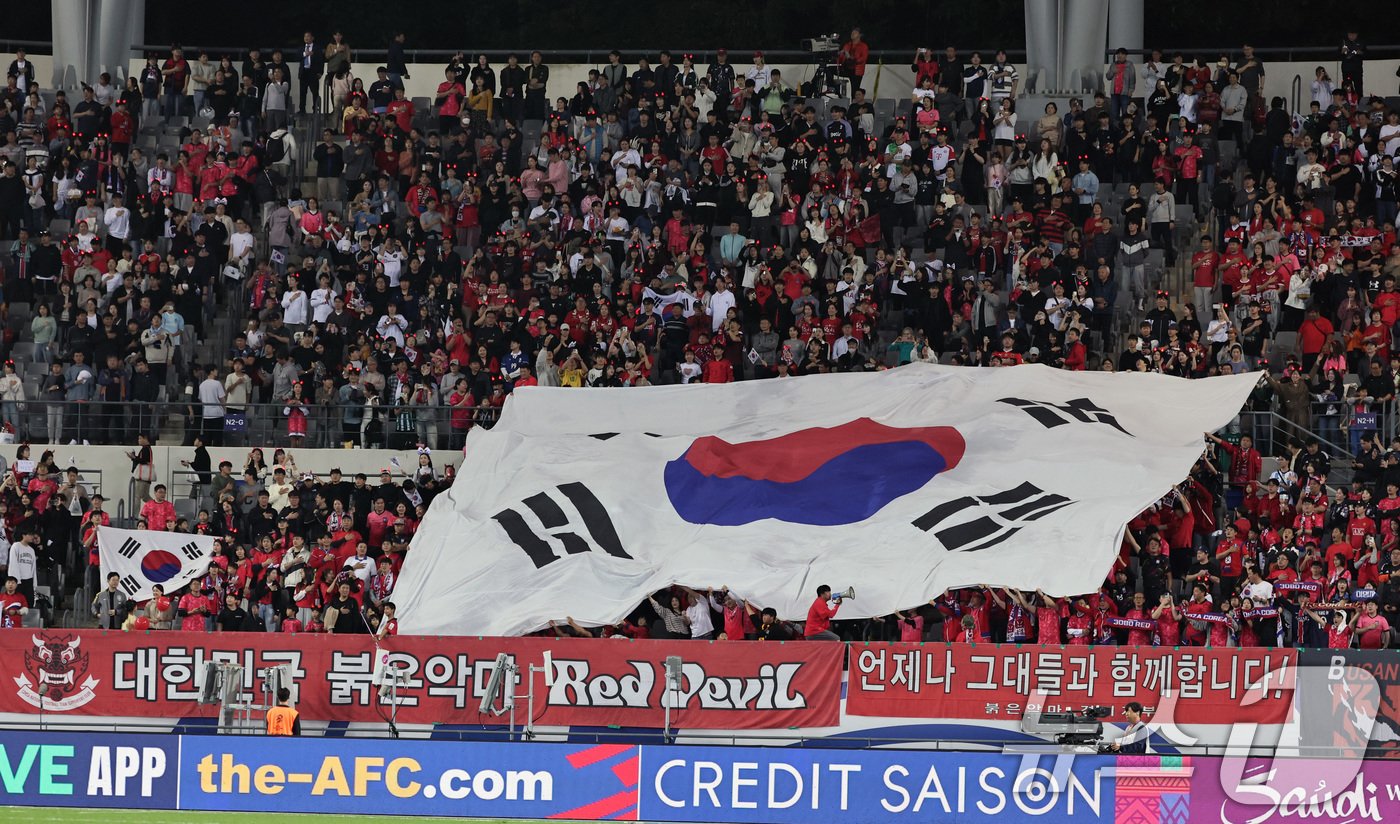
[(903, 483), (144, 558)]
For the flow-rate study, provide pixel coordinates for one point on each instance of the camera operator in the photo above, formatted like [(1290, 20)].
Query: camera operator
[(1133, 741)]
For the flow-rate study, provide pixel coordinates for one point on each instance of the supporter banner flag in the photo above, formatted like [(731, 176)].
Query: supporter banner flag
[(1003, 682), (866, 233), (589, 683), (144, 558), (901, 483), (1358, 709)]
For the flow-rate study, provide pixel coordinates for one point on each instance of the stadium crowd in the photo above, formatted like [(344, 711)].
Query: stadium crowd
[(670, 223)]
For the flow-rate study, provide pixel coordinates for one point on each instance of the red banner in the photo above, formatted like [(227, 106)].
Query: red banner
[(595, 682), (1003, 682)]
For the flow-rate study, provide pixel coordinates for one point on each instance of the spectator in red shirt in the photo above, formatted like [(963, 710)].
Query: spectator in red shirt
[(718, 370), (1168, 618), (852, 59), (1204, 266), (1076, 354), (158, 512), (1196, 631), (1080, 626), (1359, 525), (1371, 627), (1188, 159), (819, 616), (1230, 556), (1245, 465), (1340, 629), (1313, 335), (379, 521), (1138, 612), (911, 626), (1047, 619), (737, 624)]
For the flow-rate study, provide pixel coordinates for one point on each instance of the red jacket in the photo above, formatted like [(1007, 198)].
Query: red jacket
[(1076, 358), (719, 371), (246, 167), (819, 617), (1245, 465), (121, 127)]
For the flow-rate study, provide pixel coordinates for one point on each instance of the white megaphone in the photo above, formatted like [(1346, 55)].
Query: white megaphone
[(848, 595)]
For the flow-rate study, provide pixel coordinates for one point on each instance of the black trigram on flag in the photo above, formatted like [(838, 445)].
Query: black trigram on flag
[(979, 522), (190, 551), (594, 518), (129, 548), (129, 585), (1051, 415)]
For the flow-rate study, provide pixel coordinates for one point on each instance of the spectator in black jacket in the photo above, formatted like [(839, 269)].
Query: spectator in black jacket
[(343, 615), (11, 202)]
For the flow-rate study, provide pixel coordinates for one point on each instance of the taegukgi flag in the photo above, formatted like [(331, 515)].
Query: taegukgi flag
[(902, 483), (144, 558)]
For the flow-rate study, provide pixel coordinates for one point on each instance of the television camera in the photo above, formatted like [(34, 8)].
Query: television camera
[(822, 44), (826, 80), (1070, 729)]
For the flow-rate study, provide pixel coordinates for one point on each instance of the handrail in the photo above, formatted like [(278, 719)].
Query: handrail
[(704, 55), (598, 55), (266, 420)]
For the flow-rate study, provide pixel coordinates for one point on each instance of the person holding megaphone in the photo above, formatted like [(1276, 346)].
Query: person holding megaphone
[(821, 612)]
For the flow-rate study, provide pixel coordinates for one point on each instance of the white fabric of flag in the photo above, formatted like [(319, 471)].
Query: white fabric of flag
[(145, 557), (902, 484)]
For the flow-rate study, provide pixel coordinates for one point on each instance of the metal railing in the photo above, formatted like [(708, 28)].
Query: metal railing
[(312, 425), (592, 55)]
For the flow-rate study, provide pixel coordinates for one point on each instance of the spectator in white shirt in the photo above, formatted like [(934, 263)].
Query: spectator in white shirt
[(759, 73), (322, 300), (1186, 102), (721, 301), (361, 565), (392, 325), (624, 157), (392, 257), (241, 244), (160, 178), (688, 368), (23, 562), (702, 626), (117, 218), (295, 305)]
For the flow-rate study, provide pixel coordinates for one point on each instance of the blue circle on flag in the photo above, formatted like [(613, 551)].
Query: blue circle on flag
[(160, 566)]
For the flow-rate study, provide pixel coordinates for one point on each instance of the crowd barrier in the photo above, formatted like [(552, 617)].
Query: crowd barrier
[(1328, 703), (723, 685), (677, 783)]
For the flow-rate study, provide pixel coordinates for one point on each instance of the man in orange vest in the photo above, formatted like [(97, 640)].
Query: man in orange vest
[(282, 719)]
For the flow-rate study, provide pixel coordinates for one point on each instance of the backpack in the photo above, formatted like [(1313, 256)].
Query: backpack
[(275, 149)]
